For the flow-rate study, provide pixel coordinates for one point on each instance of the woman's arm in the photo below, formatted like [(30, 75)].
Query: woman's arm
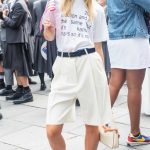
[(99, 49), (49, 31)]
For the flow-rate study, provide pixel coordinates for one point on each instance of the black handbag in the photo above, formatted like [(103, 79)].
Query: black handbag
[(147, 20)]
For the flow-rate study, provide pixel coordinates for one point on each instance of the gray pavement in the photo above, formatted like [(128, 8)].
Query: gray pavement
[(23, 126)]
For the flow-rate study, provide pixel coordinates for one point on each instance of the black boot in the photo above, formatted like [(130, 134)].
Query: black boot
[(17, 94), (7, 91), (2, 84), (1, 116), (26, 97), (43, 86)]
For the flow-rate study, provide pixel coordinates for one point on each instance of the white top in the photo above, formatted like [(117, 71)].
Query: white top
[(77, 32)]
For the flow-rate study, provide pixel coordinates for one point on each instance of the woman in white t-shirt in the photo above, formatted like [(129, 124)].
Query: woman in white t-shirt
[(79, 27)]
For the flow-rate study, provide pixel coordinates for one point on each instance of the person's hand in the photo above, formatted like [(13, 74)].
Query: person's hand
[(102, 2), (48, 25), (5, 13), (49, 30)]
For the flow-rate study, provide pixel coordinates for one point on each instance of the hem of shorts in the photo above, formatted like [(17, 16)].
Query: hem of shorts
[(84, 122), (96, 123), (59, 123), (129, 68)]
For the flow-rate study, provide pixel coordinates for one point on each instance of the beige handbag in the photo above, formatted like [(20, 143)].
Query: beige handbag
[(109, 137)]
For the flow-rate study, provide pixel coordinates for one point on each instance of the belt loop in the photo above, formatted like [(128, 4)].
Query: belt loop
[(69, 54), (86, 51), (61, 54)]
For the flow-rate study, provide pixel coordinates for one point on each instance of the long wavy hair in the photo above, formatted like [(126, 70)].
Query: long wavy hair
[(67, 5)]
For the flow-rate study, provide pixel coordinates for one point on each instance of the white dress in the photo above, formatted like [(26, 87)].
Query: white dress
[(129, 53), (146, 94)]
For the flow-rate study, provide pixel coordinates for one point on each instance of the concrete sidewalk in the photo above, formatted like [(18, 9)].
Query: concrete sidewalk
[(23, 126)]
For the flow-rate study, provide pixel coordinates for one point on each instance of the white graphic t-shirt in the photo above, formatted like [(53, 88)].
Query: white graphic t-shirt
[(77, 31)]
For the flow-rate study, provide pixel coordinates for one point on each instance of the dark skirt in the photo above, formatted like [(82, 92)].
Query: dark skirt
[(17, 58), (1, 58), (42, 65)]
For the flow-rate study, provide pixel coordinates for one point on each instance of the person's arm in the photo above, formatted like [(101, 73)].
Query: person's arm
[(143, 3), (16, 20), (99, 49), (49, 31)]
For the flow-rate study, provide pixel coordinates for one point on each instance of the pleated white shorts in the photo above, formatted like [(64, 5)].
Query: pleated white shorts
[(83, 78)]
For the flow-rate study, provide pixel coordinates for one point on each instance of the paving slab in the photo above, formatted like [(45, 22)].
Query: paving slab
[(32, 138), (145, 120), (8, 126), (4, 146), (35, 117), (40, 101), (13, 111)]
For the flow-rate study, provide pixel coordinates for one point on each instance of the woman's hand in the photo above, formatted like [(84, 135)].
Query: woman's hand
[(48, 25), (102, 2), (49, 30)]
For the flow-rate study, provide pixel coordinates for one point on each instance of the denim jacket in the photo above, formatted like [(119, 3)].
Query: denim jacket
[(126, 18)]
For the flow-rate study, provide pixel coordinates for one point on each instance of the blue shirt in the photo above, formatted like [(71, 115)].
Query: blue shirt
[(126, 18)]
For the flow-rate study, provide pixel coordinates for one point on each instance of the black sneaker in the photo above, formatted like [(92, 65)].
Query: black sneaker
[(26, 97), (1, 116), (6, 92), (2, 85), (18, 93), (43, 87)]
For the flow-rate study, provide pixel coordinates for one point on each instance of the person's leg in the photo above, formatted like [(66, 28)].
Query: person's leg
[(26, 93), (9, 77), (134, 82), (24, 81), (1, 116), (2, 84), (92, 137), (43, 86), (55, 138), (18, 92), (8, 74), (117, 79)]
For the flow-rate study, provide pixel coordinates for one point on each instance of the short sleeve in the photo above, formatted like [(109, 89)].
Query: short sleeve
[(100, 26)]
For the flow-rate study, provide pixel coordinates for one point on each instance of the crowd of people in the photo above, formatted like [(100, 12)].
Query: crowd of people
[(24, 51), (81, 37)]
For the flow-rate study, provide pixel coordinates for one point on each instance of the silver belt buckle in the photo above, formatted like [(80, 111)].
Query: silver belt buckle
[(61, 54), (86, 51), (69, 54)]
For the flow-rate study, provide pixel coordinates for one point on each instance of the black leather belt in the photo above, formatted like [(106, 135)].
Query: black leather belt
[(77, 53)]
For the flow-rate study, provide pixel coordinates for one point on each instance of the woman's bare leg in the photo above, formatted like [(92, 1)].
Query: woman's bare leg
[(134, 82), (117, 79), (55, 138), (92, 137)]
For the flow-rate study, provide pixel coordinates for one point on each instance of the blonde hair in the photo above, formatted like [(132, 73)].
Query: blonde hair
[(67, 5)]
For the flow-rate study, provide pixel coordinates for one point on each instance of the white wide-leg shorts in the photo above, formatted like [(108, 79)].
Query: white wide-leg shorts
[(81, 78)]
